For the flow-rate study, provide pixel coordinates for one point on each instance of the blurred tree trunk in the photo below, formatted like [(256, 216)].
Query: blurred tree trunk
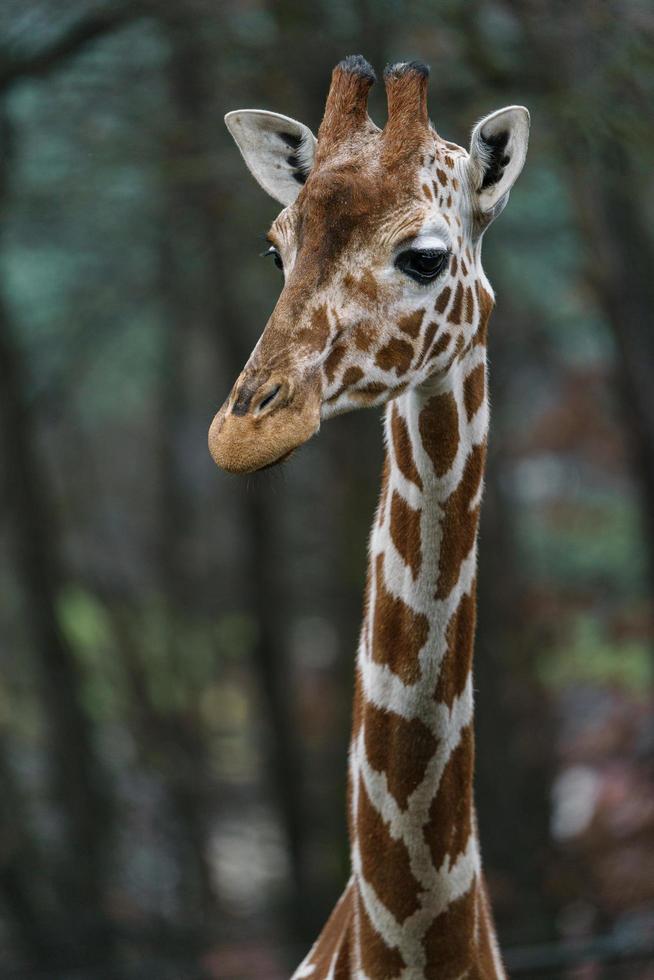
[(619, 270), (217, 312), (190, 782), (77, 929), (514, 734), (514, 727), (556, 48), (78, 783), (22, 886), (604, 165)]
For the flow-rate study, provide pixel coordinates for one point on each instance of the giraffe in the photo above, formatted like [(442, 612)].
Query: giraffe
[(385, 302)]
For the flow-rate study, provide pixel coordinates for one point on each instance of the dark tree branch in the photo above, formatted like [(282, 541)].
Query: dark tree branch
[(87, 30)]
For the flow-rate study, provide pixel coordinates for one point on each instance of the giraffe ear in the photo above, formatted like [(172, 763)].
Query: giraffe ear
[(278, 151), (497, 153)]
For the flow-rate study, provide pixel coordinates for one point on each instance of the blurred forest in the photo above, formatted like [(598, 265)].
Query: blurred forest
[(177, 646)]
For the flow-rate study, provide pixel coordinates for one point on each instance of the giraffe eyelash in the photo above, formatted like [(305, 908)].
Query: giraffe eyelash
[(273, 252), (423, 265)]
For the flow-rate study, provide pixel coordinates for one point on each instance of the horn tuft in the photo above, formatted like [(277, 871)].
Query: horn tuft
[(356, 64), (402, 68)]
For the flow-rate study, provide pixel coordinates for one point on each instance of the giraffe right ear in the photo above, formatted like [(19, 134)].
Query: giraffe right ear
[(497, 153), (278, 151)]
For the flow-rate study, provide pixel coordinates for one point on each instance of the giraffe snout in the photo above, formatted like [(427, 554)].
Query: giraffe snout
[(263, 421)]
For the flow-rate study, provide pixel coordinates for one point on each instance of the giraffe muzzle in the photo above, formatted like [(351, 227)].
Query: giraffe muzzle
[(261, 424)]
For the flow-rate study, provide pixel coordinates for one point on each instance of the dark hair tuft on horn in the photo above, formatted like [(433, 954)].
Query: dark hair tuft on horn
[(401, 68), (356, 64)]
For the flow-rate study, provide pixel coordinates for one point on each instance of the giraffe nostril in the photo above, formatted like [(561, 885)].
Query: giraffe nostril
[(271, 396), (243, 401)]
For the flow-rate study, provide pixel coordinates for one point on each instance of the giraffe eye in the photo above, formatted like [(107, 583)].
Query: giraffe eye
[(276, 257), (423, 265)]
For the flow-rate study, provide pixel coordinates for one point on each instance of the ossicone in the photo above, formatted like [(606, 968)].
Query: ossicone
[(346, 108), (406, 94)]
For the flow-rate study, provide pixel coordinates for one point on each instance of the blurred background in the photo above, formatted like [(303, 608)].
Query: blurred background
[(176, 645)]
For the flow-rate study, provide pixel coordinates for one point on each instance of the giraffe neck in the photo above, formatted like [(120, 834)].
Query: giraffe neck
[(417, 884)]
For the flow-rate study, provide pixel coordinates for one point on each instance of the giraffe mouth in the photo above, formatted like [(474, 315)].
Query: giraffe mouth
[(277, 462)]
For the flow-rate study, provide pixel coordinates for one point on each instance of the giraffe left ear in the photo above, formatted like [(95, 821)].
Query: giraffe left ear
[(497, 153), (277, 150)]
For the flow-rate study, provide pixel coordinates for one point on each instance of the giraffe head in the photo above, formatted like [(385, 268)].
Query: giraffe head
[(379, 243)]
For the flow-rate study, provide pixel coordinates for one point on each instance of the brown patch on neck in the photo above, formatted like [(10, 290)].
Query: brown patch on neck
[(457, 662), (470, 305), (399, 748), (486, 304), (450, 940), (403, 449), (439, 431), (385, 861), (398, 633), (450, 814), (405, 533), (474, 390), (459, 523)]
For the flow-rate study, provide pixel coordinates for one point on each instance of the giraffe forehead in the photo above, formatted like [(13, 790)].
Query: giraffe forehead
[(368, 195), (352, 197), (362, 181)]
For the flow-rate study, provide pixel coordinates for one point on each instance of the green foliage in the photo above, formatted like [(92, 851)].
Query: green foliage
[(589, 544), (86, 626), (592, 656), (180, 659), (235, 634)]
